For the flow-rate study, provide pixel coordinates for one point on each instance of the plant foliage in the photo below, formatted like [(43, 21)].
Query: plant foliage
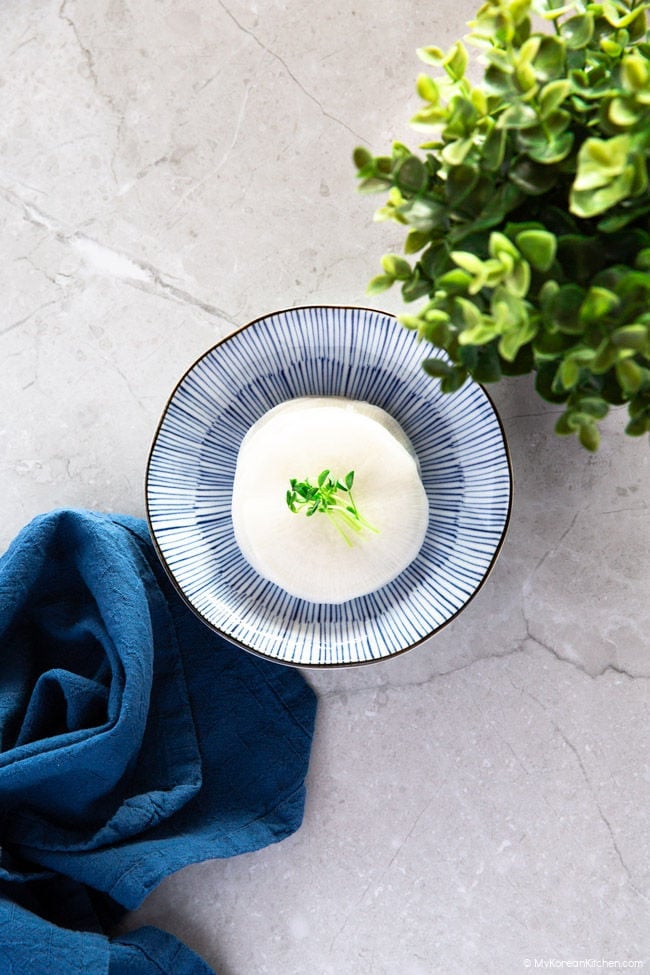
[(324, 497), (528, 211)]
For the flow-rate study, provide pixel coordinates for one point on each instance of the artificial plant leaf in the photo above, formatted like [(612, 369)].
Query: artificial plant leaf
[(565, 306), (538, 247), (488, 367), (597, 304), (589, 435), (544, 376), (455, 153), (415, 241), (622, 112), (600, 161), (436, 367), (630, 375), (455, 61), (460, 182), (430, 55), (396, 267), (638, 425), (361, 157), (382, 282), (569, 373), (552, 96), (425, 215), (494, 148), (552, 151), (630, 337), (591, 202), (427, 89), (577, 31), (634, 72), (549, 60), (411, 175), (533, 178)]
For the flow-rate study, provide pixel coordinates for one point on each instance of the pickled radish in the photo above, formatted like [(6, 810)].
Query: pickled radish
[(307, 556)]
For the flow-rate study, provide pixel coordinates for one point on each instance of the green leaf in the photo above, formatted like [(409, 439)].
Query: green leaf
[(569, 373), (430, 55), (630, 337), (577, 31), (533, 178), (373, 184), (511, 343), (349, 480), (589, 436), (460, 182), (622, 113), (549, 60), (601, 160), (429, 117), (322, 477), (468, 262), (494, 149), (455, 282), (411, 175), (437, 330), (552, 151), (598, 303), (396, 267), (455, 62), (594, 406), (634, 73), (544, 376), (479, 334), (630, 375), (538, 247), (455, 153), (425, 215), (452, 382), (361, 157), (470, 314), (553, 95), (501, 245), (638, 425), (416, 287), (520, 115), (563, 426), (488, 367), (589, 203), (436, 367), (565, 306), (378, 284), (415, 241), (427, 89)]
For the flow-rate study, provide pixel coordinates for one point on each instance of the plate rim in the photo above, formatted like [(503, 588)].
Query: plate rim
[(233, 640)]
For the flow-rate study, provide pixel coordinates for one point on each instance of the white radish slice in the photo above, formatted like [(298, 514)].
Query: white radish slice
[(307, 556), (353, 405)]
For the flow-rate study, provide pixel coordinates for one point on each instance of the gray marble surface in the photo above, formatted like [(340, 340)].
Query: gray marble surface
[(168, 171)]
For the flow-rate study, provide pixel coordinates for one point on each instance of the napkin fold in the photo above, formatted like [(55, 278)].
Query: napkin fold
[(133, 741)]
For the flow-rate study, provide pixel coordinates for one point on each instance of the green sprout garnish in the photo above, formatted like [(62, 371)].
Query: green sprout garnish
[(326, 496)]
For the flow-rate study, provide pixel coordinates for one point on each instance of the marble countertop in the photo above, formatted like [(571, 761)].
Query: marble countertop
[(169, 171)]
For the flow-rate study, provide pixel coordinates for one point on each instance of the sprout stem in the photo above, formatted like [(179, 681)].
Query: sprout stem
[(325, 497)]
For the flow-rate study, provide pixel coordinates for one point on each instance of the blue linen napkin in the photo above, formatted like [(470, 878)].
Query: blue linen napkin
[(133, 741)]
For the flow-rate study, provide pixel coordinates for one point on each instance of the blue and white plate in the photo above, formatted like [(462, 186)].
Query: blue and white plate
[(325, 351)]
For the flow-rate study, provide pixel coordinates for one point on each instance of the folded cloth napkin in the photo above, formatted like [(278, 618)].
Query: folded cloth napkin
[(133, 741)]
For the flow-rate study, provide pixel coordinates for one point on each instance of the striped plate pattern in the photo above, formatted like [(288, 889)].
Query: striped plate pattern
[(325, 351)]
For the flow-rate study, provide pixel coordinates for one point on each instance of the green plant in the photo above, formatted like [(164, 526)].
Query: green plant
[(324, 496), (528, 213)]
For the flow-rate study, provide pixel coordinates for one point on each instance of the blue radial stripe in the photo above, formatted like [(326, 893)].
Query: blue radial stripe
[(363, 354)]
